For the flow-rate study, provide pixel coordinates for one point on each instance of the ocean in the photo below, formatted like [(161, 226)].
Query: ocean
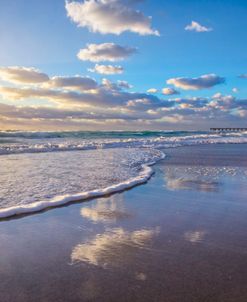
[(46, 169)]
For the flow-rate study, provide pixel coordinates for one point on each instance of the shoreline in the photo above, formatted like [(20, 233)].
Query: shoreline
[(59, 201), (181, 237), (66, 200)]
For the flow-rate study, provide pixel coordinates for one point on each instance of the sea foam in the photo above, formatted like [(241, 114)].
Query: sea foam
[(35, 142), (144, 175), (138, 169)]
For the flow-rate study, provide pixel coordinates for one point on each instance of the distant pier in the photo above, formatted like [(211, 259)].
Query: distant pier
[(228, 129)]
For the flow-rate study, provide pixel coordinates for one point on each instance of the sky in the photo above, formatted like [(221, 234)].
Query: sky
[(123, 64)]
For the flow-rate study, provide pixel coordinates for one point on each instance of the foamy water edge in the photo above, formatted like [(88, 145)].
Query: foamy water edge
[(144, 175)]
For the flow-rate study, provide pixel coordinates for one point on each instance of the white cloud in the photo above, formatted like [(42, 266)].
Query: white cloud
[(217, 95), (202, 82), (169, 91), (42, 112), (197, 27), (22, 75), (106, 94), (235, 90), (107, 69), (152, 90), (170, 119), (124, 84), (109, 85), (109, 17), (75, 101), (76, 83), (223, 102), (105, 52), (137, 102)]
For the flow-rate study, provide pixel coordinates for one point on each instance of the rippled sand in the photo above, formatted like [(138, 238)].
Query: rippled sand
[(181, 237)]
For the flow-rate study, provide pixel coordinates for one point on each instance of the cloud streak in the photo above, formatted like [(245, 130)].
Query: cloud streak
[(105, 52), (169, 91), (22, 75), (107, 69), (72, 83), (203, 82), (152, 90), (197, 27)]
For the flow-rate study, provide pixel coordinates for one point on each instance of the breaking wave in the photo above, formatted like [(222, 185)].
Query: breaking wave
[(35, 176)]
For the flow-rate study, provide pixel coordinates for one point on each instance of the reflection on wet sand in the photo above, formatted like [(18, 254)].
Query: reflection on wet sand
[(107, 211), (141, 276), (110, 249), (195, 236), (112, 246), (187, 178)]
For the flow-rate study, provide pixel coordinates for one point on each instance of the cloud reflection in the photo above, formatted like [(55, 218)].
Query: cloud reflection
[(111, 247), (184, 178), (108, 211), (194, 236)]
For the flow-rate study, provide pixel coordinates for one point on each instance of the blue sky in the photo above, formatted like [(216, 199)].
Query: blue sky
[(39, 34)]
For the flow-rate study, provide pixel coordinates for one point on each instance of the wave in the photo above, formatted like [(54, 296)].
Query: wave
[(90, 134), (73, 144), (144, 175)]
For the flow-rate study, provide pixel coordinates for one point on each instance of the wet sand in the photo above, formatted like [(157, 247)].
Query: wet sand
[(179, 238)]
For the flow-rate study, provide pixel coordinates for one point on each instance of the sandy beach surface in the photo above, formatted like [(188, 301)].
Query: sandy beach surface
[(182, 237)]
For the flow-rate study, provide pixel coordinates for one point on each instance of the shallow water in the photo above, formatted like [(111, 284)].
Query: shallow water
[(156, 242), (36, 142), (44, 169), (29, 178)]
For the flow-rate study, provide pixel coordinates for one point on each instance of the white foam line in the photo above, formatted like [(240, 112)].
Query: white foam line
[(143, 177), (158, 142)]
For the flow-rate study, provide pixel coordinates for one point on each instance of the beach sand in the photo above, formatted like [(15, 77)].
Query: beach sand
[(179, 238)]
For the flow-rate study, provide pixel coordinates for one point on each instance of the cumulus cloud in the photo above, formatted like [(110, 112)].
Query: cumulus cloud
[(217, 95), (124, 84), (202, 82), (197, 27), (105, 108), (137, 102), (106, 94), (109, 17), (22, 75), (107, 69), (224, 102), (111, 86), (25, 112), (169, 91), (76, 101), (105, 52), (76, 82), (76, 117), (195, 102), (152, 90), (235, 90)]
